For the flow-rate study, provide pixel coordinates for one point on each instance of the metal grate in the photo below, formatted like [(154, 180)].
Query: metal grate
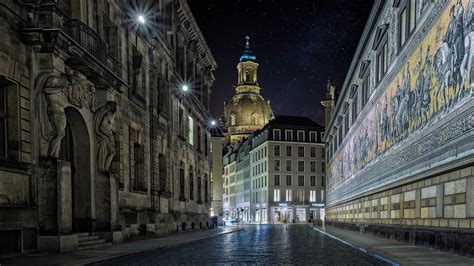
[(10, 241)]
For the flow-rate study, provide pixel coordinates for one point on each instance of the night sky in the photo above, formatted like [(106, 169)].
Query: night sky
[(298, 44)]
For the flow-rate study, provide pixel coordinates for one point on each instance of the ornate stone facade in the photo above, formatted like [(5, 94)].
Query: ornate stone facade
[(97, 136), (404, 119)]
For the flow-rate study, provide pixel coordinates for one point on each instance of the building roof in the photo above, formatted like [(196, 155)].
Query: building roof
[(299, 121), (216, 131)]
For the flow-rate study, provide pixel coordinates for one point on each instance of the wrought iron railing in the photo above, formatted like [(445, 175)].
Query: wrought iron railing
[(87, 38)]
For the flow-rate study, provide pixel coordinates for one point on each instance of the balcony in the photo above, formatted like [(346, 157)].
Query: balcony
[(86, 49), (87, 39)]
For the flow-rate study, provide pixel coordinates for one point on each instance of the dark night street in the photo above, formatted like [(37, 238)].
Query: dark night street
[(265, 244)]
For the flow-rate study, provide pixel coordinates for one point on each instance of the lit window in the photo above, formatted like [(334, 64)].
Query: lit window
[(190, 130), (276, 195), (312, 196), (289, 195), (232, 120)]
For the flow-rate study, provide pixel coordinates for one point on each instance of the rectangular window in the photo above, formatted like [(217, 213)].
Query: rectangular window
[(288, 151), (354, 108), (312, 166), (3, 121), (289, 135), (312, 196), (181, 122), (365, 89), (277, 165), (323, 167), (300, 195), (312, 152), (301, 180), (403, 17), (289, 195), (312, 137), (276, 134), (276, 150), (300, 136), (288, 180), (191, 184), (181, 184), (300, 166), (412, 15), (288, 165), (276, 180), (198, 135), (346, 123), (323, 181), (276, 195), (312, 180), (300, 151)]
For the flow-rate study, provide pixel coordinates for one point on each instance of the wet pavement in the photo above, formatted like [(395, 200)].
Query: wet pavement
[(265, 244)]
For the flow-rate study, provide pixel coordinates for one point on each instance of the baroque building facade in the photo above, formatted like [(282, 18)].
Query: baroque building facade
[(97, 138), (247, 111), (400, 143)]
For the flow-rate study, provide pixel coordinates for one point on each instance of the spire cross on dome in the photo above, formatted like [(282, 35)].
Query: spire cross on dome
[(247, 42), (247, 55)]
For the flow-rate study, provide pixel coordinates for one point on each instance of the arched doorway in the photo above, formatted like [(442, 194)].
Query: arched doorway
[(76, 149)]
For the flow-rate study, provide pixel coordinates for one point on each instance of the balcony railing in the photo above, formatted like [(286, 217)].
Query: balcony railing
[(87, 38)]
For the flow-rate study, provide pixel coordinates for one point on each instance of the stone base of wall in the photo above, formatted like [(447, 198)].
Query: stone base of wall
[(135, 225), (446, 239)]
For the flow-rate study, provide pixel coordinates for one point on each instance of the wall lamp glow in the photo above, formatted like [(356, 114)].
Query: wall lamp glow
[(185, 88), (141, 19)]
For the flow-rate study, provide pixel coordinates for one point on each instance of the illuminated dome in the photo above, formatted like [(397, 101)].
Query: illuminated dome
[(247, 111)]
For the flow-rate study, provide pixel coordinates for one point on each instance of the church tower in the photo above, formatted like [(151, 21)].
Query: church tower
[(247, 111)]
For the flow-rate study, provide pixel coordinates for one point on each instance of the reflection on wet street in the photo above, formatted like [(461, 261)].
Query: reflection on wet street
[(266, 244)]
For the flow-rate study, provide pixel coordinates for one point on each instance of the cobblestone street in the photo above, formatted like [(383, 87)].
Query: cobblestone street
[(267, 244)]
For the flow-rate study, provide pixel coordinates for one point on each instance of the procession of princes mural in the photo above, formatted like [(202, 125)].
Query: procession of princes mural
[(436, 80)]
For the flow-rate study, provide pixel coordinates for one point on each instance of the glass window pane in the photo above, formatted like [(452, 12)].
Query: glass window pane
[(412, 14)]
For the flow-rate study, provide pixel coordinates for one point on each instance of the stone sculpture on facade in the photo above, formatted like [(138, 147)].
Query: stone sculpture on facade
[(104, 123), (59, 92), (54, 91)]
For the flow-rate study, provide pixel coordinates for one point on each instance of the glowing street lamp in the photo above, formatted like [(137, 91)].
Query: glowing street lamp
[(213, 123), (185, 88), (141, 19)]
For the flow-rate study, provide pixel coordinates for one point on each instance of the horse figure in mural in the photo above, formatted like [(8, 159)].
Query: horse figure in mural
[(443, 69)]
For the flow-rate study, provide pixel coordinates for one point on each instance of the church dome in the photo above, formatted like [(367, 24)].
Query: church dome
[(247, 111)]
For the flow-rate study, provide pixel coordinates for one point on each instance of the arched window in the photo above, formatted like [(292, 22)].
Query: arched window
[(254, 118), (232, 119)]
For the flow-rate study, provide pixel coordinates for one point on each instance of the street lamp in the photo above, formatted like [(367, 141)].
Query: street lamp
[(213, 123), (141, 19), (185, 88)]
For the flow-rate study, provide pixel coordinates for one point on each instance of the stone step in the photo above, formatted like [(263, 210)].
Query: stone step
[(87, 238), (104, 244), (91, 242), (82, 234)]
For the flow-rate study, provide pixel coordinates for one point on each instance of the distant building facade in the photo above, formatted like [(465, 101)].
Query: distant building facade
[(247, 111), (95, 135), (277, 174), (400, 137), (287, 169)]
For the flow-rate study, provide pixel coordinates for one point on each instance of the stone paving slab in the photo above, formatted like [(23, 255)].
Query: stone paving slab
[(396, 251), (89, 256)]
